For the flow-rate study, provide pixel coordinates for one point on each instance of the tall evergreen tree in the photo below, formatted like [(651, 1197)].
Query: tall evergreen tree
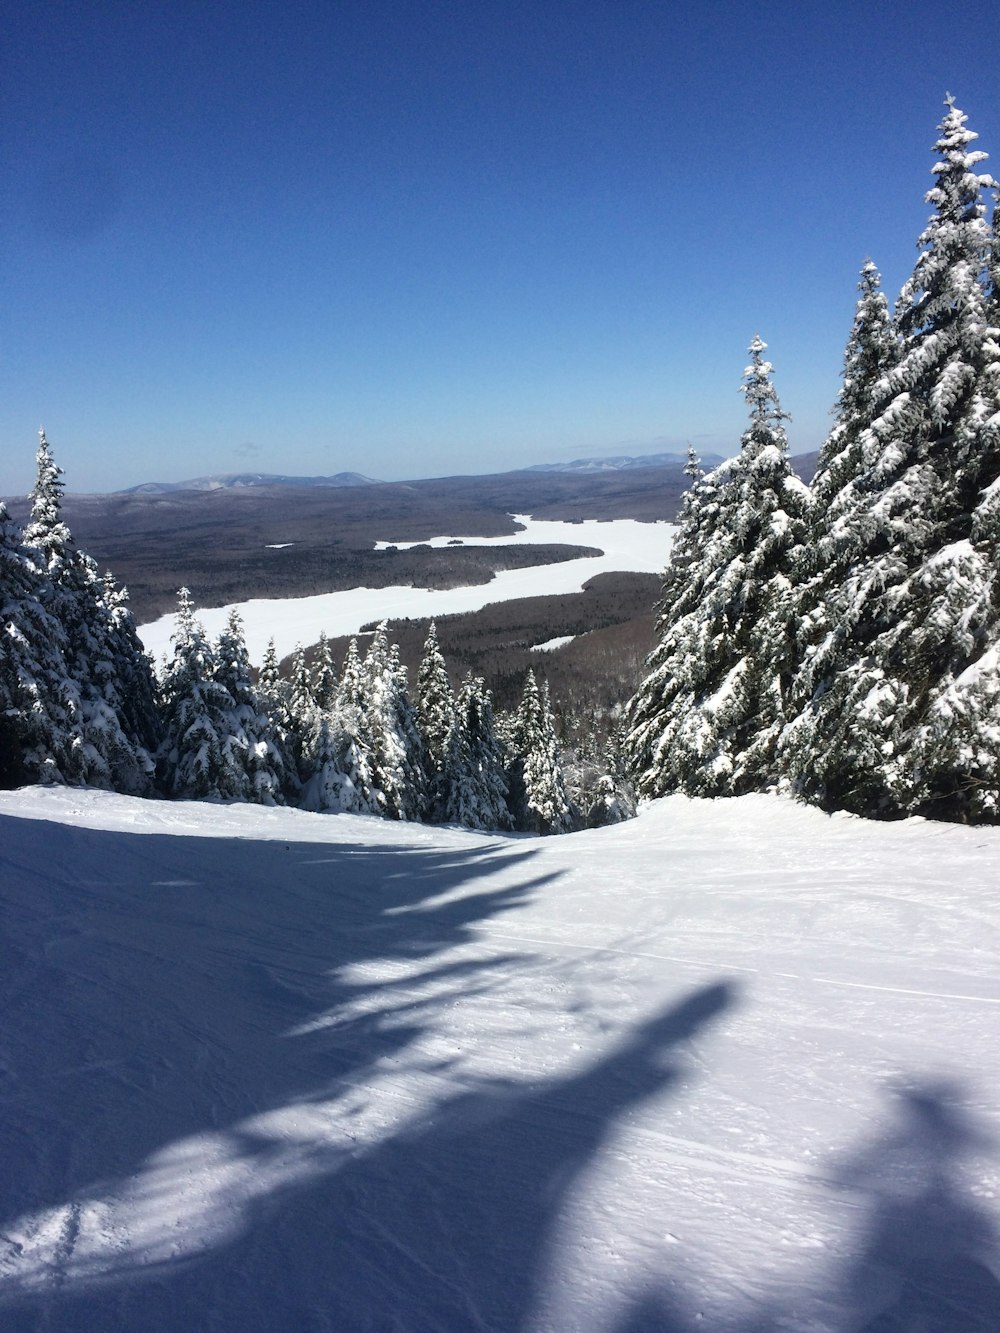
[(476, 789), (104, 659), (40, 739), (324, 677), (435, 721), (251, 748), (918, 606), (199, 758), (391, 733), (708, 715), (538, 797)]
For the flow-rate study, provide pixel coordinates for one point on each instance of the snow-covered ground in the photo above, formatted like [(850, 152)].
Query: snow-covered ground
[(731, 1066), (626, 544)]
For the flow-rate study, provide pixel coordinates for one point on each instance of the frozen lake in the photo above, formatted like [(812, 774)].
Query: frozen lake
[(626, 545)]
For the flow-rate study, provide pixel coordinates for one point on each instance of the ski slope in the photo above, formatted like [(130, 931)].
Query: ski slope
[(624, 543), (734, 1065)]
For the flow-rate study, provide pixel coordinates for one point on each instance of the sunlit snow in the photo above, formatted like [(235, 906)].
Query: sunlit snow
[(732, 1066)]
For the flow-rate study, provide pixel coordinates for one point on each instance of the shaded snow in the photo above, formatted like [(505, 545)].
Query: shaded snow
[(626, 543), (731, 1066), (550, 645)]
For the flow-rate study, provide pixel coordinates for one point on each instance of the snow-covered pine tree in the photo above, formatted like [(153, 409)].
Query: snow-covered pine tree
[(46, 532), (435, 721), (324, 677), (344, 777), (198, 759), (476, 789), (40, 739), (895, 731), (538, 796), (707, 717), (252, 750), (273, 693), (839, 529), (104, 658), (397, 762), (303, 717)]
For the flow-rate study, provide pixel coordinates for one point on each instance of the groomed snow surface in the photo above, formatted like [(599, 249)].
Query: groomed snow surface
[(626, 545), (731, 1066)]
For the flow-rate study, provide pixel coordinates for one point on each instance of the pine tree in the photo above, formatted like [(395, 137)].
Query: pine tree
[(252, 753), (706, 719), (435, 722), (303, 717), (198, 759), (389, 720), (113, 695), (324, 677), (887, 727), (40, 739), (539, 800), (838, 530), (476, 788)]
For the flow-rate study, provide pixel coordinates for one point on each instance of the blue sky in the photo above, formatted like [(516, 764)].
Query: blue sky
[(412, 239)]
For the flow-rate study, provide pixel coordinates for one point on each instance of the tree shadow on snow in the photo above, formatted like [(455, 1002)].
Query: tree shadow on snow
[(924, 1255), (189, 1162)]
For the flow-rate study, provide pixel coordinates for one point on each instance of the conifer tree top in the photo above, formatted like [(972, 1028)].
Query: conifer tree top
[(766, 415)]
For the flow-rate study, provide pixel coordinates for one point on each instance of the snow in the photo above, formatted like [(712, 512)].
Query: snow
[(730, 1066), (550, 645), (627, 545)]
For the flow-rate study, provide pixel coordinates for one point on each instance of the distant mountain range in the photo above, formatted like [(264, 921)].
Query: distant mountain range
[(622, 463), (804, 464), (237, 480)]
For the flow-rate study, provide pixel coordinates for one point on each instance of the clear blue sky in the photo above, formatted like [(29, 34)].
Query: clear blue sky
[(417, 238)]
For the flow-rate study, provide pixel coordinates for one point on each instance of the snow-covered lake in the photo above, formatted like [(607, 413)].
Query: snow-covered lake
[(626, 544)]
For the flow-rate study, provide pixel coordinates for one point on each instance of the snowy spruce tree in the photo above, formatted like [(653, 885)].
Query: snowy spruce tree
[(40, 739), (539, 801), (707, 717), (839, 527), (476, 788), (114, 689), (396, 750), (254, 741), (435, 721), (204, 753), (900, 719), (324, 676)]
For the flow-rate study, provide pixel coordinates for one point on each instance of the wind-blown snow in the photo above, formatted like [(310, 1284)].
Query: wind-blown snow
[(627, 545), (730, 1066)]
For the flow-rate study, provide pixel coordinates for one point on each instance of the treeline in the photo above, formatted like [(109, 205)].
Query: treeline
[(841, 641), (81, 704)]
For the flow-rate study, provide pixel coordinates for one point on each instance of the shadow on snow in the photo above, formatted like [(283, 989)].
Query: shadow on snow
[(240, 1152)]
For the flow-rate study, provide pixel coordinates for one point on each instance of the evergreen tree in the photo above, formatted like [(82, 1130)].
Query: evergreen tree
[(40, 739), (476, 788), (324, 677), (708, 715), (389, 721), (113, 696), (435, 722), (303, 717), (539, 800), (200, 757), (251, 749), (882, 733)]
